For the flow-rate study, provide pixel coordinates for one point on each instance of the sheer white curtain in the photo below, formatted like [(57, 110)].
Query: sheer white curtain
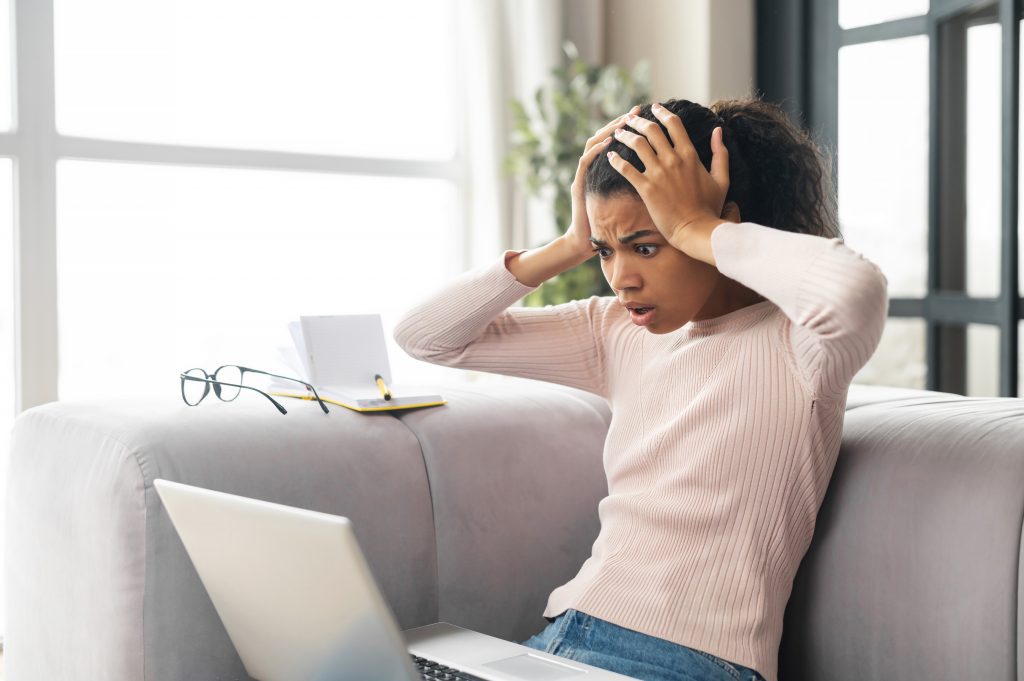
[(509, 48)]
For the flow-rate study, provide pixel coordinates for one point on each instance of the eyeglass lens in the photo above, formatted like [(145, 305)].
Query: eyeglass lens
[(229, 374), (194, 391)]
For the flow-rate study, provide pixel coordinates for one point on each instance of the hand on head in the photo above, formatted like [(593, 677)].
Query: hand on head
[(674, 185), (579, 230)]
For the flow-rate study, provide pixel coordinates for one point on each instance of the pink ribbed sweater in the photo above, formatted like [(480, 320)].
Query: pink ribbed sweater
[(723, 437)]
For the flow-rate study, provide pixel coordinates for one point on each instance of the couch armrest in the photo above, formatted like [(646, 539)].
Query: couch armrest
[(99, 585)]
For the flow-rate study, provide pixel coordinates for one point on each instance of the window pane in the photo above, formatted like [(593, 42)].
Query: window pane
[(900, 357), (883, 171), (319, 76), (984, 160), (6, 353), (165, 268), (853, 13), (1020, 194), (982, 360), (6, 66)]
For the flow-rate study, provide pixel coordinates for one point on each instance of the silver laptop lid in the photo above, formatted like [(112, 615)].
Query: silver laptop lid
[(291, 586)]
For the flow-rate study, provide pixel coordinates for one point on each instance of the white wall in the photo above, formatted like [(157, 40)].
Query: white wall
[(699, 50)]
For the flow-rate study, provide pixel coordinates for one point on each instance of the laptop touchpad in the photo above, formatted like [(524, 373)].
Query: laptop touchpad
[(535, 668)]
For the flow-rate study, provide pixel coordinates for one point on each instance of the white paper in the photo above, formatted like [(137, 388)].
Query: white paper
[(346, 352), (295, 329)]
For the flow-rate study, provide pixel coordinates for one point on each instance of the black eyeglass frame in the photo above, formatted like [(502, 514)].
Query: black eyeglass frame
[(212, 380)]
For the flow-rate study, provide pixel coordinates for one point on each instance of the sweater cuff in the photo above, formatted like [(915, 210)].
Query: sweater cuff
[(500, 278), (505, 259)]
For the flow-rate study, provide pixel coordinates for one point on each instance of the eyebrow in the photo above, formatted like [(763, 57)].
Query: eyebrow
[(629, 237)]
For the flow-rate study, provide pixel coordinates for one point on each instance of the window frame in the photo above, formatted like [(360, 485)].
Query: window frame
[(804, 76), (35, 147)]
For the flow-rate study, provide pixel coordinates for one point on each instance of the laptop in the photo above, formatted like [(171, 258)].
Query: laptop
[(299, 602)]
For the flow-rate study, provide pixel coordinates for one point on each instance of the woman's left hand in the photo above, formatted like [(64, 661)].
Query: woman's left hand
[(674, 186)]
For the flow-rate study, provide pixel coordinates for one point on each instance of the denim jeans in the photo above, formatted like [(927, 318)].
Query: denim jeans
[(578, 636)]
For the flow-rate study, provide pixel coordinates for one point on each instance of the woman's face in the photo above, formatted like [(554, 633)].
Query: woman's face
[(643, 269)]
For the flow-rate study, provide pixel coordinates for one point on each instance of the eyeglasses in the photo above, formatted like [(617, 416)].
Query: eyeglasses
[(227, 382)]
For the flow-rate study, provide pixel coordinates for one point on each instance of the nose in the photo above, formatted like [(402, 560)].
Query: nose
[(622, 275)]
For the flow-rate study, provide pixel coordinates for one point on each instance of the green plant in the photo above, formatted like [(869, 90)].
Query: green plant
[(547, 145)]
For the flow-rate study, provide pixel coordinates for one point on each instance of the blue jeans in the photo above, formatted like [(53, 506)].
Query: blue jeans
[(578, 636)]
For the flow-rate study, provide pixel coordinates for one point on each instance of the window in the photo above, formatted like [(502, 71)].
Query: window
[(207, 191), (7, 412), (193, 175), (912, 98), (7, 273), (357, 79), (163, 268)]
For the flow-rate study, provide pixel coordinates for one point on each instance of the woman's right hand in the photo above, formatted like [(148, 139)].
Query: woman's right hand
[(537, 265), (578, 234)]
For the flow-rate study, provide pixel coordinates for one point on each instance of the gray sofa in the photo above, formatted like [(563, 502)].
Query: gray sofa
[(471, 513)]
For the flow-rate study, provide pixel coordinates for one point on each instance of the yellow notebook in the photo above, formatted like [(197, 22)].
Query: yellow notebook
[(372, 404), (343, 356)]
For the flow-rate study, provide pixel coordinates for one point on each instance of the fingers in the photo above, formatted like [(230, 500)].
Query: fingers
[(676, 130), (596, 145), (652, 131), (601, 134), (627, 170), (639, 144), (588, 157), (719, 159)]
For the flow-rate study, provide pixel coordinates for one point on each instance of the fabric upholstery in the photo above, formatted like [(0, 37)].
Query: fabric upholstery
[(472, 512), (100, 584), (914, 569), (515, 489)]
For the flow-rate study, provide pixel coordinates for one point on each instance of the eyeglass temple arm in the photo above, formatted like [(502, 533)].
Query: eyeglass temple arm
[(238, 385), (289, 378)]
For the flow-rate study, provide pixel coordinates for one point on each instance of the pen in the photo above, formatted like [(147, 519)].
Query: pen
[(383, 388)]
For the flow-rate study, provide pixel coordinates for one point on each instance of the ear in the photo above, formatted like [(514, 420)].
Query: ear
[(731, 212)]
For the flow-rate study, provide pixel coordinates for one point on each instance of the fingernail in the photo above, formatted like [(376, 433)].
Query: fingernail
[(656, 106), (609, 154)]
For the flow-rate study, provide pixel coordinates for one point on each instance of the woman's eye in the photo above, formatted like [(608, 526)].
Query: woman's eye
[(651, 250), (601, 252)]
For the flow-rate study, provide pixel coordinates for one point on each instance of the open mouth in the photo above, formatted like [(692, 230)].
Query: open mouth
[(641, 316)]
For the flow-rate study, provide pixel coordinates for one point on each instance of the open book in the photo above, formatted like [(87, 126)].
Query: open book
[(343, 357)]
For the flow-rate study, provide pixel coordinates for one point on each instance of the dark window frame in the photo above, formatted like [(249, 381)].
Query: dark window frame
[(798, 44)]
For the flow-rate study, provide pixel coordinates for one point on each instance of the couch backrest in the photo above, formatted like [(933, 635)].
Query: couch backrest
[(915, 565), (913, 572), (515, 477)]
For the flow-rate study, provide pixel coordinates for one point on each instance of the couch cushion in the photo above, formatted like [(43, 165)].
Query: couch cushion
[(516, 476), (862, 394), (914, 568)]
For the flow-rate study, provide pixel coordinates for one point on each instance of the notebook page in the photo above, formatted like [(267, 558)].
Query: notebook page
[(345, 352)]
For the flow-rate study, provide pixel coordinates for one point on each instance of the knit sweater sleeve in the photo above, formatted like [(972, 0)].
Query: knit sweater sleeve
[(835, 298), (468, 324)]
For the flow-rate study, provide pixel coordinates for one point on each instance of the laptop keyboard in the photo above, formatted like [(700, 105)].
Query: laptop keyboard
[(430, 670)]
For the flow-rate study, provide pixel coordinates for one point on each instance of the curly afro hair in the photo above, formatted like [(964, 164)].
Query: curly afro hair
[(778, 175)]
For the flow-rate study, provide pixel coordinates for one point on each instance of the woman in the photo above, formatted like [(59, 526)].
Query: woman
[(726, 355)]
